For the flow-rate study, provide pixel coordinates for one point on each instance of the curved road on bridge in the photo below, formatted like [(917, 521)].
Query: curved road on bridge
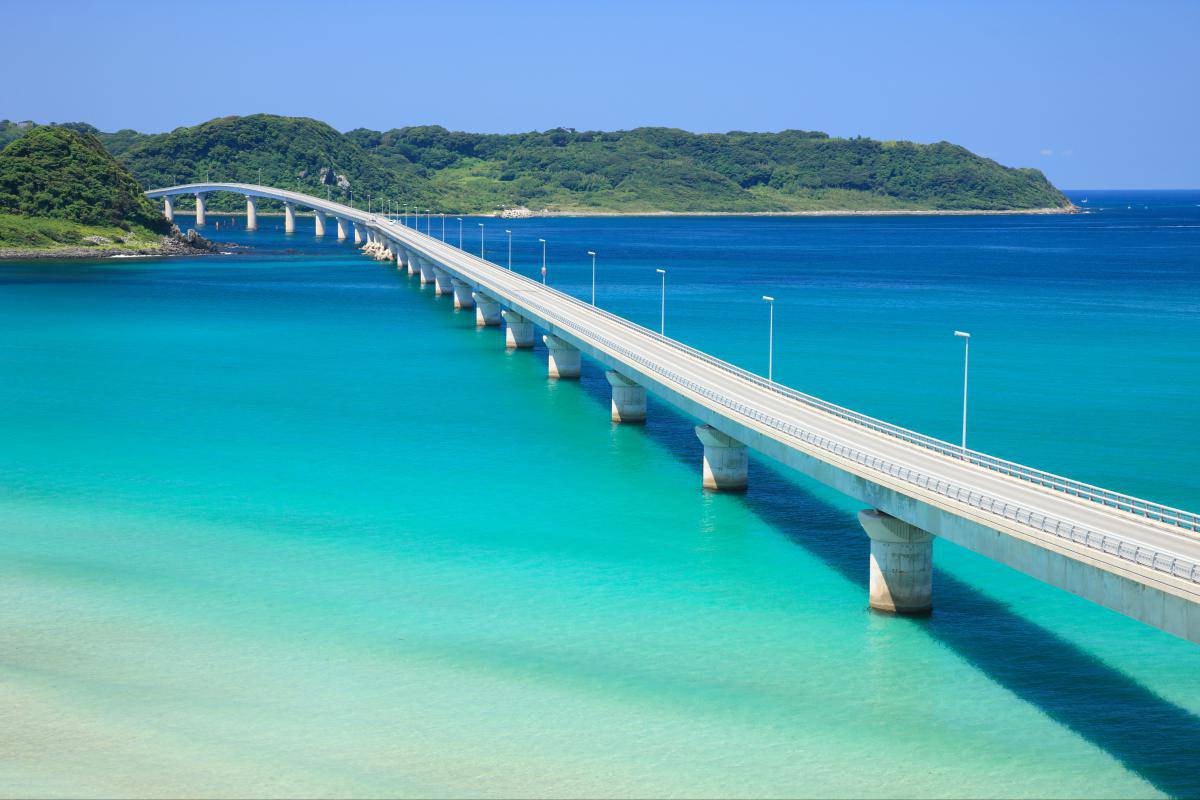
[(913, 477)]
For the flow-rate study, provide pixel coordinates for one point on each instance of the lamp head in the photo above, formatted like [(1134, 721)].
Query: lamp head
[(663, 271), (768, 298), (963, 334), (591, 252)]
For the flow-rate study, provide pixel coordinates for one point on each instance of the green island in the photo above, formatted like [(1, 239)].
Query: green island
[(564, 171), (62, 193)]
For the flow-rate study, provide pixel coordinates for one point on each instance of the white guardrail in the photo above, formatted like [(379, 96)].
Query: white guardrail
[(1169, 563), (1141, 554)]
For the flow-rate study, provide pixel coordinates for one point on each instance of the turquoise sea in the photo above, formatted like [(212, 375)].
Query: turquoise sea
[(284, 523)]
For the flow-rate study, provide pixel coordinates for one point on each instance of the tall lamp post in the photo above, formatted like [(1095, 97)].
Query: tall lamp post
[(460, 247), (443, 216), (662, 319), (543, 241), (592, 253), (966, 337), (770, 340), (509, 249), (480, 224)]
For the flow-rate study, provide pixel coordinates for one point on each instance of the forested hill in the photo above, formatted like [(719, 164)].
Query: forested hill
[(641, 170), (58, 173)]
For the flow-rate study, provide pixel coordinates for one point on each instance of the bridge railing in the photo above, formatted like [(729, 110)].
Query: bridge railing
[(1158, 512)]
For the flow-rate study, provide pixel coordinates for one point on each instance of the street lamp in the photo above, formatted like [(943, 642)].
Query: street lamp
[(509, 249), (966, 337), (592, 253), (662, 320), (480, 224), (428, 222), (543, 241), (460, 247), (770, 340), (443, 216)]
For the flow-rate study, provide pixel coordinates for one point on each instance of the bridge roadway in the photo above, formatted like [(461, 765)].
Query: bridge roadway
[(1134, 556)]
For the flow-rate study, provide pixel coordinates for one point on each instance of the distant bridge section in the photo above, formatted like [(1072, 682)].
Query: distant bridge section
[(1132, 555)]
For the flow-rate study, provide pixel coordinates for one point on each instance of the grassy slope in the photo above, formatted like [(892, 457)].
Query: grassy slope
[(46, 233)]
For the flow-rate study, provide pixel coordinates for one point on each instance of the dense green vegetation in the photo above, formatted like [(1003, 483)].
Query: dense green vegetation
[(59, 187), (61, 173), (641, 170)]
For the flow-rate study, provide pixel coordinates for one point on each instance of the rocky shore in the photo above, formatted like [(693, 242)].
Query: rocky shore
[(176, 243)]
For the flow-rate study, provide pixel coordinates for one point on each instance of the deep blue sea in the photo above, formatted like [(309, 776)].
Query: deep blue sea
[(284, 523)]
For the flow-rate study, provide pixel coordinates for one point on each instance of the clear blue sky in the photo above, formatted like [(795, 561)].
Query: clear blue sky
[(1096, 94)]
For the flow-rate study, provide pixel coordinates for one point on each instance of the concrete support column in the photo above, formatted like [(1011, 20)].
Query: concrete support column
[(463, 296), (427, 271), (487, 311), (360, 232), (343, 229), (199, 209), (411, 261), (289, 217), (725, 460), (901, 564), (628, 399), (518, 331), (401, 257), (169, 208), (251, 213), (319, 222), (442, 282), (564, 358)]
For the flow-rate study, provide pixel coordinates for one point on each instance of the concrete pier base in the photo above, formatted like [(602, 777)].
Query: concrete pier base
[(360, 232), (901, 564), (200, 210), (319, 222), (410, 261), (725, 460), (289, 217), (343, 226), (487, 311), (251, 213), (628, 399), (518, 331), (463, 296), (442, 282), (427, 272), (169, 208), (564, 361)]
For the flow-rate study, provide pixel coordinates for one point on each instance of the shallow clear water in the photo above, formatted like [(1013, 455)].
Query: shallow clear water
[(285, 523)]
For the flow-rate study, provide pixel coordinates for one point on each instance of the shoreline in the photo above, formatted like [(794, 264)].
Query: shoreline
[(889, 212), (170, 246)]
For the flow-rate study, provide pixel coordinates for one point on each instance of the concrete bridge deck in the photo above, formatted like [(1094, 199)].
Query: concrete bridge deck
[(1134, 556)]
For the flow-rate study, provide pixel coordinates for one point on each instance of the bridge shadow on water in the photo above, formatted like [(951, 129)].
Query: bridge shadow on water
[(1149, 735)]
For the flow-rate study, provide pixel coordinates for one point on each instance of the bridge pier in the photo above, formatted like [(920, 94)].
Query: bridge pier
[(725, 460), (518, 331), (169, 208), (318, 222), (343, 229), (564, 361), (442, 282), (427, 272), (414, 264), (359, 232), (199, 210), (901, 564), (251, 213), (401, 257), (289, 217), (463, 297), (628, 399), (487, 311)]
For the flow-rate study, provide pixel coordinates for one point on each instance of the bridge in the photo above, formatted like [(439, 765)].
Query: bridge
[(1134, 556)]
